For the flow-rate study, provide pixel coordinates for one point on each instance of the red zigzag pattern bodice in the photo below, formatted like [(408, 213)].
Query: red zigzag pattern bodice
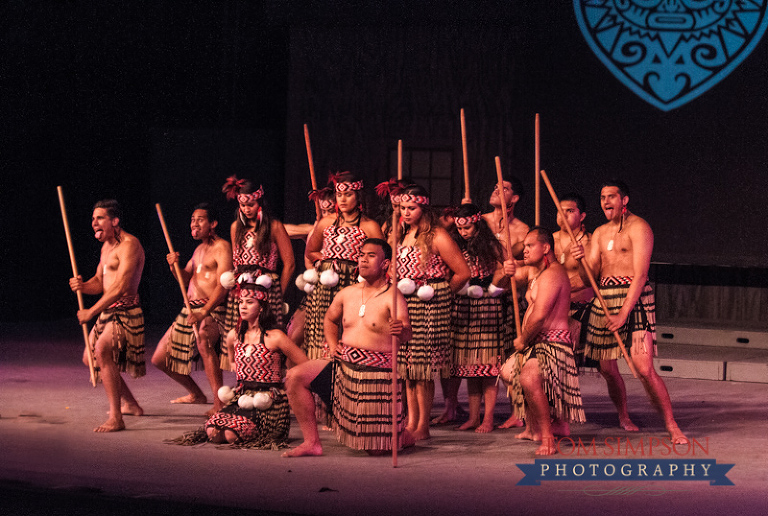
[(263, 365), (343, 243), (246, 253), (409, 265)]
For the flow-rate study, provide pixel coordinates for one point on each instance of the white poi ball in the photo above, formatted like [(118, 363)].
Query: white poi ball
[(286, 308), (494, 291), (300, 282), (425, 292), (226, 393), (262, 400), (245, 402), (265, 281), (227, 279), (475, 291), (309, 287), (329, 278), (310, 276), (406, 286)]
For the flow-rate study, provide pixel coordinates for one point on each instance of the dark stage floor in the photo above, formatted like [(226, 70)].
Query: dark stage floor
[(52, 463)]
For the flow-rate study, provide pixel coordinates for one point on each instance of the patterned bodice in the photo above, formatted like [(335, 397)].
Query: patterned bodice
[(476, 270), (260, 365), (247, 253), (343, 243), (409, 265)]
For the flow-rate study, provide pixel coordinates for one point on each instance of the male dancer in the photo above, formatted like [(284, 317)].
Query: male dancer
[(620, 256), (117, 338), (179, 347), (545, 381), (358, 381)]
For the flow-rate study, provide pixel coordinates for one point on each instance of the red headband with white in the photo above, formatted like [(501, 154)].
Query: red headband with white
[(465, 221), (418, 199)]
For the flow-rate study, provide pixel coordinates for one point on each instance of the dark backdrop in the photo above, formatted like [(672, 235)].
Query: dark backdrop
[(151, 102)]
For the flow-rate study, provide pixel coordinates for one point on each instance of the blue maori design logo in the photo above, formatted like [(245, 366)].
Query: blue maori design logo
[(671, 51)]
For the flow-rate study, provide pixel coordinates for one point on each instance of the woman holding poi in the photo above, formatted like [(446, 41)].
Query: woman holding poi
[(478, 316), (431, 267), (334, 248), (258, 242), (256, 412)]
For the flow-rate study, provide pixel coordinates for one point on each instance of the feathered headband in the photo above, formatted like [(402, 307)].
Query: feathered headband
[(343, 186), (232, 188), (392, 188), (317, 195)]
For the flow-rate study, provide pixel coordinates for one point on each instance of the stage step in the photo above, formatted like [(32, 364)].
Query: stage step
[(684, 334)]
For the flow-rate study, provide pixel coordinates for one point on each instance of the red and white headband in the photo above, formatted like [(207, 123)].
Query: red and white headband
[(251, 197), (418, 199), (466, 221), (343, 187), (254, 293)]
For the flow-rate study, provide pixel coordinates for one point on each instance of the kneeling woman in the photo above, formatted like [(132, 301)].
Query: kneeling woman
[(257, 415)]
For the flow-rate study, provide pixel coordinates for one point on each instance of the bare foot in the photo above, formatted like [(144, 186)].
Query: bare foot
[(547, 447), (406, 439), (131, 409), (421, 435), (305, 450), (190, 399), (628, 425), (528, 434), (676, 435), (484, 428), (469, 425), (561, 428), (448, 415), (111, 425), (512, 422)]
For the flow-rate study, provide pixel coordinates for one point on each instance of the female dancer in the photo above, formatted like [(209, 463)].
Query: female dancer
[(258, 240), (256, 413), (334, 247), (432, 267), (478, 316)]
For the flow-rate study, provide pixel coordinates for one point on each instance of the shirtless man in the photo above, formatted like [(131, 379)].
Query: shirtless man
[(117, 338), (620, 256), (176, 350), (364, 310), (582, 294), (544, 380), (513, 191)]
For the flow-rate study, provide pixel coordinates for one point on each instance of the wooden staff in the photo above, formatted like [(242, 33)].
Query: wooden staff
[(537, 152), (393, 274), (515, 302), (311, 169), (590, 275), (80, 304), (176, 267), (467, 198)]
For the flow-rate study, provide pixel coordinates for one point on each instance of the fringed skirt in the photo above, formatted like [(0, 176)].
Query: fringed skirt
[(429, 350), (601, 344), (262, 429), (183, 347), (128, 339), (479, 335), (510, 330), (317, 305), (362, 406), (559, 374)]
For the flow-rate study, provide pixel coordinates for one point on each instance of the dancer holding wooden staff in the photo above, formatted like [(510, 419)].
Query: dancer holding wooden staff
[(513, 285), (117, 338), (196, 336), (621, 252), (80, 305), (395, 293)]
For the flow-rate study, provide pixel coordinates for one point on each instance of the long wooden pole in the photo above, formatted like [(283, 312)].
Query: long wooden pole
[(537, 152), (515, 302), (311, 169), (176, 267), (590, 275), (393, 275), (467, 198), (80, 304)]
